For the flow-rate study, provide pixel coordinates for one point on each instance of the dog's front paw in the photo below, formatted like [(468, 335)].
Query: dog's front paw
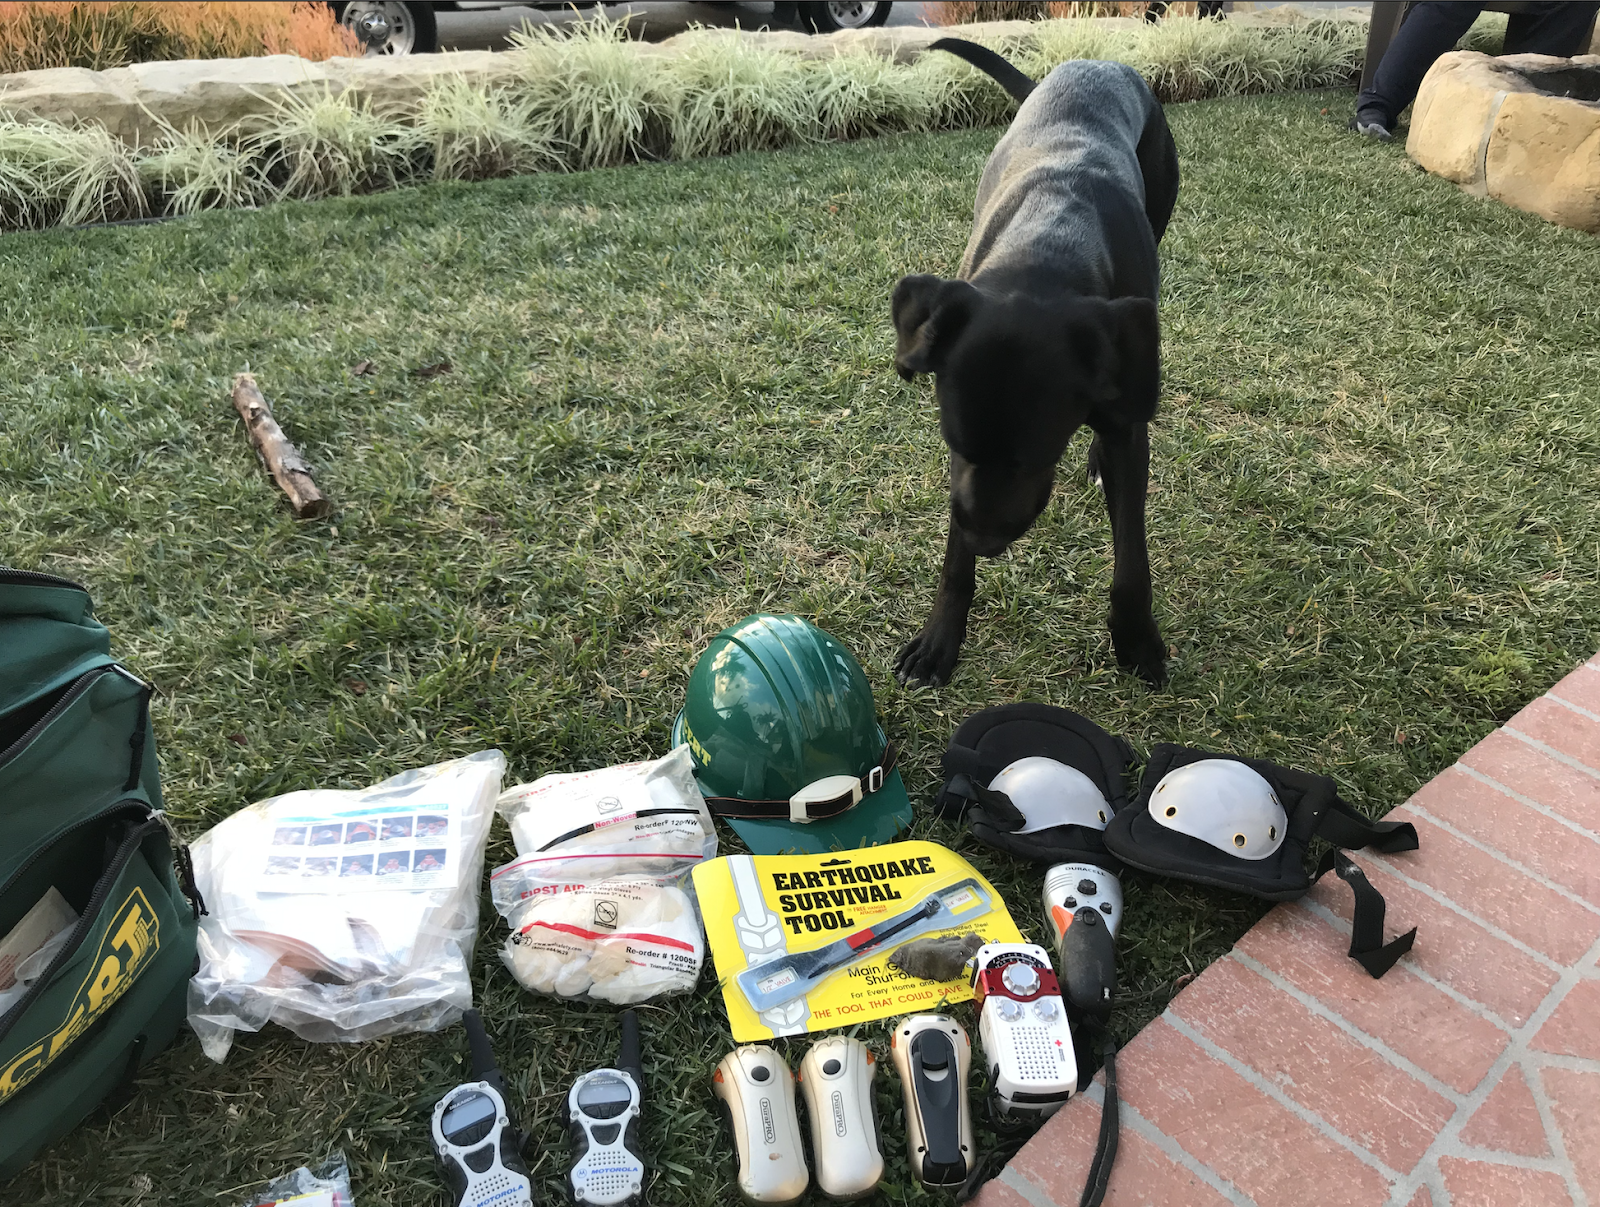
[(1143, 653), (928, 658)]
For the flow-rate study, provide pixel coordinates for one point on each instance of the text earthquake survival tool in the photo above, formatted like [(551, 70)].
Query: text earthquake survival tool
[(603, 1111), (797, 974), (475, 1137)]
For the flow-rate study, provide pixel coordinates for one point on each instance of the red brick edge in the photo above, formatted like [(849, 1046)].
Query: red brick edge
[(1469, 1076)]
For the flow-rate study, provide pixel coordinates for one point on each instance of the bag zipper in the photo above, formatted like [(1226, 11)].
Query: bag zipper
[(97, 898), (79, 685), (33, 578)]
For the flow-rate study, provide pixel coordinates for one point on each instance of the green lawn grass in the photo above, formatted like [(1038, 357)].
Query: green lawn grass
[(1373, 528)]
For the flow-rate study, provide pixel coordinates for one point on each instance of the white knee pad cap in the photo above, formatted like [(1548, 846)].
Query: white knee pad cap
[(1223, 803), (1050, 794)]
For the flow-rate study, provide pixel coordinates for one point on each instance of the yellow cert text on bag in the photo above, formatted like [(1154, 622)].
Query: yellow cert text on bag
[(802, 942)]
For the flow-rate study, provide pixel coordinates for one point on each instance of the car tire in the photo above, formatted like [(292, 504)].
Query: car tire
[(830, 16), (414, 17)]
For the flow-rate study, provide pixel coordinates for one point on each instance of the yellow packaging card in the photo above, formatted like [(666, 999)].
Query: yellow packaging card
[(801, 942)]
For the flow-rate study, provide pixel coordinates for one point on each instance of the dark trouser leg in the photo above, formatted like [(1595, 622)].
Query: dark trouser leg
[(1429, 30), (1557, 29)]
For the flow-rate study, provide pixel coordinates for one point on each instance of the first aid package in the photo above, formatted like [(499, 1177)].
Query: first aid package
[(345, 915), (599, 900)]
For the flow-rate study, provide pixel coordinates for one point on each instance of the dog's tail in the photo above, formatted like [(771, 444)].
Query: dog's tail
[(990, 63)]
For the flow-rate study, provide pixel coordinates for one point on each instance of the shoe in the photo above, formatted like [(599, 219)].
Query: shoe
[(1372, 124)]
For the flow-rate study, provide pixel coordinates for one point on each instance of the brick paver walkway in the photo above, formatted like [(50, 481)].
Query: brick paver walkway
[(1469, 1076)]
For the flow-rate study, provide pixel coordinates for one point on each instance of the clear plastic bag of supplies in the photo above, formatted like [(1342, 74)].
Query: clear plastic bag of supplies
[(328, 1185), (344, 915), (599, 900)]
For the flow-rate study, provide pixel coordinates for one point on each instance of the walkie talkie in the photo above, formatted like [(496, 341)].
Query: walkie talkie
[(475, 1136), (603, 1110)]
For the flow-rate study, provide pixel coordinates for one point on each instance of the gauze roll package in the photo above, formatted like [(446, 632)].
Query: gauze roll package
[(636, 818), (344, 915), (599, 900)]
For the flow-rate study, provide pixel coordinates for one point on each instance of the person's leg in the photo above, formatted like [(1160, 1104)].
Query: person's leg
[(1429, 30), (1551, 28)]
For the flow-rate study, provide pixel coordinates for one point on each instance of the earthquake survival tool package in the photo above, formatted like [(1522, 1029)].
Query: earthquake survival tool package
[(803, 942)]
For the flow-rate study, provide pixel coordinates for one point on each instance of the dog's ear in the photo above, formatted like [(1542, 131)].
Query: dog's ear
[(1118, 343), (929, 314)]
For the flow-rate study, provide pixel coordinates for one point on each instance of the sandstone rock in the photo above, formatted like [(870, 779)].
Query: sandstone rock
[(1544, 157), (1485, 124)]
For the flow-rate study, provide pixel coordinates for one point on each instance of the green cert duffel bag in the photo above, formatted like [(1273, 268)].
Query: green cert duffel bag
[(87, 862)]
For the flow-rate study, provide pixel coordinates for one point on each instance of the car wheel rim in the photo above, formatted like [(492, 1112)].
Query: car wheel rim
[(850, 14), (402, 30)]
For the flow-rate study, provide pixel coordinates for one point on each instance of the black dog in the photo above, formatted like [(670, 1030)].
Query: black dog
[(1050, 325)]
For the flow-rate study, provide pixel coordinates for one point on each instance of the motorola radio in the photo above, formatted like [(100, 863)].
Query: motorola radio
[(475, 1136)]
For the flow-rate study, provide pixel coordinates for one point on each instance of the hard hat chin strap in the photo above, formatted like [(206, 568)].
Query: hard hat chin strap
[(817, 801)]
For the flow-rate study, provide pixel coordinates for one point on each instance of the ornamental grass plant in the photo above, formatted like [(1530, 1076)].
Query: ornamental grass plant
[(37, 35), (585, 96)]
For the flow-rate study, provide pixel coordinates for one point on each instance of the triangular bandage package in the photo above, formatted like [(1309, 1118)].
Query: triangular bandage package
[(802, 942)]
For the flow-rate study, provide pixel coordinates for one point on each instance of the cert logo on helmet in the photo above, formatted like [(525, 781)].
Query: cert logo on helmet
[(786, 743)]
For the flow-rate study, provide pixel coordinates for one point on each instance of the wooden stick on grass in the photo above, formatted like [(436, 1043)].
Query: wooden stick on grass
[(289, 469)]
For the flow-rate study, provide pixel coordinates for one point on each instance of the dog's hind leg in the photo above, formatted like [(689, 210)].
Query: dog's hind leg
[(1122, 455), (1158, 162)]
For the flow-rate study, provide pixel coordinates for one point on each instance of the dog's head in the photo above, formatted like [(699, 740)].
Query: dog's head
[(1015, 378)]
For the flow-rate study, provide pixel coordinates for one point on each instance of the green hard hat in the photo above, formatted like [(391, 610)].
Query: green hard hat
[(781, 725)]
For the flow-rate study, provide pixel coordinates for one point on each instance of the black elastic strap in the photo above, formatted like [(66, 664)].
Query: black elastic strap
[(997, 807), (1344, 827), (1367, 947), (778, 810), (1105, 1149), (964, 760), (183, 867), (136, 742)]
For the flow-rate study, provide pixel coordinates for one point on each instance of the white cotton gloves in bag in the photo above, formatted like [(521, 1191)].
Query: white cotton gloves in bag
[(622, 940), (599, 900)]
